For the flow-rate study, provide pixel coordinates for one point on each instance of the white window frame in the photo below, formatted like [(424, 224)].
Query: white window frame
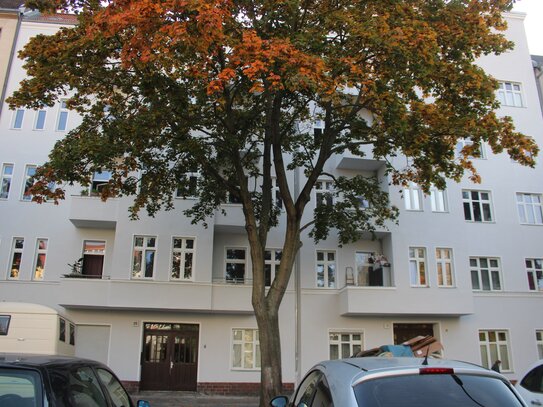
[(326, 263), (18, 119), (489, 270), (529, 208), (438, 200), (463, 142), (324, 192), (510, 94), (245, 345), (189, 175), (26, 185), (534, 271), (499, 346), (235, 261), (7, 178), (272, 262), (62, 112), (412, 196), (444, 262), (418, 269), (37, 119), (480, 203), (143, 249), (276, 193), (182, 252), (539, 342), (337, 338), (15, 250), (38, 272)]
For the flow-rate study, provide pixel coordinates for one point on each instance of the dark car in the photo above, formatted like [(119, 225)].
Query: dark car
[(401, 382), (59, 381)]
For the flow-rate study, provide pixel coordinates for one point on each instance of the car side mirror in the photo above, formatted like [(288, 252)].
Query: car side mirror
[(279, 401), (143, 403)]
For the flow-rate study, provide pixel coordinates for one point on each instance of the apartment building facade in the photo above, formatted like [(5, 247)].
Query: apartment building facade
[(167, 304)]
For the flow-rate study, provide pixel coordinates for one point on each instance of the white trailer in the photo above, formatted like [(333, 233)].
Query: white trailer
[(33, 328)]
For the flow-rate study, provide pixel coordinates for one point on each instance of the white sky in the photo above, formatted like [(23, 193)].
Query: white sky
[(533, 23)]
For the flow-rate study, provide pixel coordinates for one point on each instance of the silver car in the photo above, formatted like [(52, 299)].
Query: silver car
[(401, 382), (530, 386)]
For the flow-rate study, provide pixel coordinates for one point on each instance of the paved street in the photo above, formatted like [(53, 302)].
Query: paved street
[(191, 399)]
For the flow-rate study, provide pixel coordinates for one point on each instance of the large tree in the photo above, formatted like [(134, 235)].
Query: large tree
[(230, 87)]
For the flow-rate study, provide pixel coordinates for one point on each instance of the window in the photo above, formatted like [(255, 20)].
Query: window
[(118, 394), (534, 269), (477, 206), (72, 334), (438, 200), (62, 116), (272, 259), (62, 330), (39, 124), (4, 324), (94, 252), (83, 386), (41, 254), (143, 256), (444, 263), (494, 346), (235, 265), (326, 269), (245, 349), (529, 209), (510, 94), (485, 273), (18, 116), (465, 142), (412, 196), (324, 191), (417, 267), (189, 186), (344, 344), (182, 258), (5, 180), (16, 257), (98, 181), (276, 194), (539, 342), (30, 170)]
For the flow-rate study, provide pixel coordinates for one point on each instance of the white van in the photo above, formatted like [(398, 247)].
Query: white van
[(33, 328)]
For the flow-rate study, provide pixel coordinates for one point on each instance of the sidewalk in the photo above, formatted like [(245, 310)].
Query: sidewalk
[(192, 399)]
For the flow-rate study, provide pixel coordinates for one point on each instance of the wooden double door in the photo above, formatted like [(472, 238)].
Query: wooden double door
[(170, 357)]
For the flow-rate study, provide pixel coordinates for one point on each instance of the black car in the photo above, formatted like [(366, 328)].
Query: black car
[(59, 381)]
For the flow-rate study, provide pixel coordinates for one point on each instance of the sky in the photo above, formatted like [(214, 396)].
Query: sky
[(533, 23)]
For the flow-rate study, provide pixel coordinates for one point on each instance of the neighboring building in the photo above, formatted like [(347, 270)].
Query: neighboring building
[(465, 264), (537, 61), (9, 25)]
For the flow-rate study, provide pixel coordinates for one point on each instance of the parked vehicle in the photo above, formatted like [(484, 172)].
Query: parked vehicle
[(401, 382), (59, 381), (530, 386)]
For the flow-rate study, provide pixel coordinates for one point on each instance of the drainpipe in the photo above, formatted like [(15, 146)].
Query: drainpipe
[(20, 13), (298, 299)]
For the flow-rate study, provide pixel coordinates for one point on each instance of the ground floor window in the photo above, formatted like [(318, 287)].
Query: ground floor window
[(494, 346), (344, 344), (539, 340), (245, 349)]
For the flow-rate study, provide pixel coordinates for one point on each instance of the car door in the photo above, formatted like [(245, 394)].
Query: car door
[(531, 386)]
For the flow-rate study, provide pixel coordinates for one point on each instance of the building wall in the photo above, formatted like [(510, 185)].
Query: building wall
[(116, 307)]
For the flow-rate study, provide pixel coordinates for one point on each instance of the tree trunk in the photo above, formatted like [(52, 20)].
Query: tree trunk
[(270, 351)]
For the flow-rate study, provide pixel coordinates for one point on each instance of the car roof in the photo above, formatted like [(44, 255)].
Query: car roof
[(37, 360), (370, 364)]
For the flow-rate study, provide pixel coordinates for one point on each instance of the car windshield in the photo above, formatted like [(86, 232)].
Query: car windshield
[(20, 387), (443, 390)]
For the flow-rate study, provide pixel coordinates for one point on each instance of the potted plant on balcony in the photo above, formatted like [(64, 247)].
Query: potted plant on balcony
[(75, 269)]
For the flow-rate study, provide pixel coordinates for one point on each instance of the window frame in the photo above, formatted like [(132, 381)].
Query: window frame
[(441, 267), (506, 365), (273, 262), (413, 198), (480, 202), (9, 177), (183, 251), (416, 280), (324, 193), (502, 94), (539, 342), (37, 119), (326, 263), (62, 110), (143, 263), (438, 200), (40, 251), (244, 261), (190, 175), (15, 250), (478, 268), (523, 208), (26, 185), (255, 349), (339, 342), (463, 142), (18, 118), (534, 274)]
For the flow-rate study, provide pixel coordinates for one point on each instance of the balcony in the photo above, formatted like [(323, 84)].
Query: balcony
[(92, 212), (348, 161), (232, 296), (380, 301), (231, 221)]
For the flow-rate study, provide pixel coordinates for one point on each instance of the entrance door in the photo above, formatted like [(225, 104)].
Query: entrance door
[(170, 357), (404, 332)]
